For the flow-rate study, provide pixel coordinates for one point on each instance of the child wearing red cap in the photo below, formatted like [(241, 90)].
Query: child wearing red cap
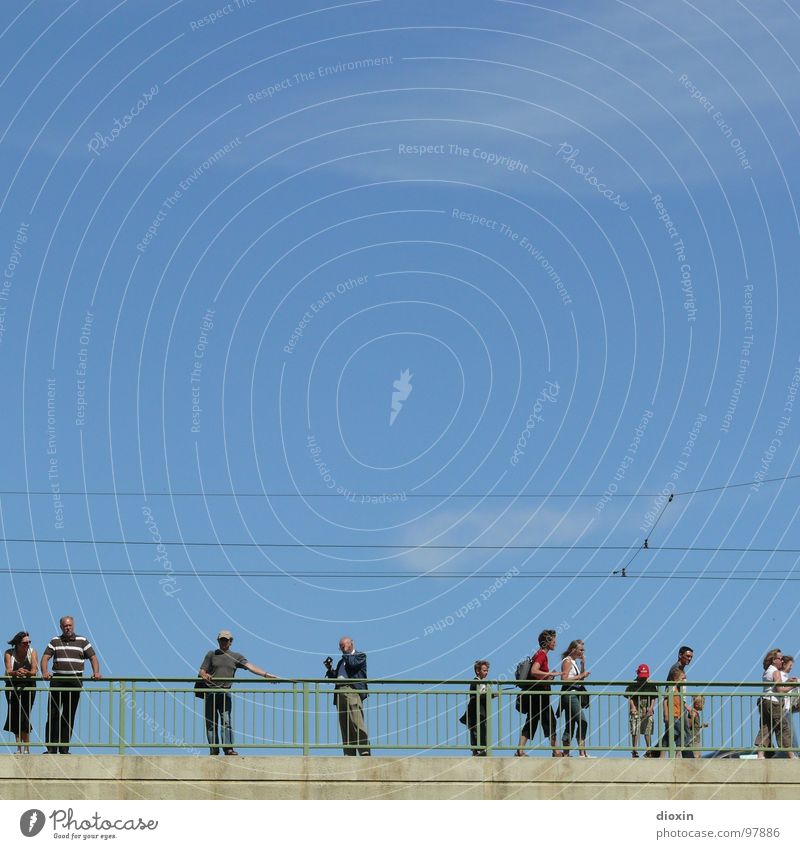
[(642, 697)]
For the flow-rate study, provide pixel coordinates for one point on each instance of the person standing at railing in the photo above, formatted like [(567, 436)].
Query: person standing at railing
[(22, 666), (536, 701), (771, 712), (675, 714), (642, 697), (478, 709), (218, 664), (574, 698), (348, 696), (792, 701), (70, 653), (685, 657)]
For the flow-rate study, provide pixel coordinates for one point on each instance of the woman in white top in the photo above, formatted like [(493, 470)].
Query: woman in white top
[(772, 716), (790, 700), (573, 670)]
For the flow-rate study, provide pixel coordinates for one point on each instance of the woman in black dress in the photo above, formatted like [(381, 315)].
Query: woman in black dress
[(22, 666)]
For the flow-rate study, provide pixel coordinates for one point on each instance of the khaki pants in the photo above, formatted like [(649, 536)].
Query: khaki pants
[(351, 722), (774, 720)]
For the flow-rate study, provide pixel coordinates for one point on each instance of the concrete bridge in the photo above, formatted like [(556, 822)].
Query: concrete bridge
[(167, 777)]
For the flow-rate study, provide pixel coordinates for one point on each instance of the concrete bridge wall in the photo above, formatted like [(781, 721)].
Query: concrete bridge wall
[(164, 777)]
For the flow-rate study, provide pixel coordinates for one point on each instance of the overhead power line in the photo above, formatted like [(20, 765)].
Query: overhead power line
[(395, 497), (216, 573), (395, 547)]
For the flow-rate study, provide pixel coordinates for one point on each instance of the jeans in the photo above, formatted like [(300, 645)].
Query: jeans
[(574, 722), (218, 706), (681, 733)]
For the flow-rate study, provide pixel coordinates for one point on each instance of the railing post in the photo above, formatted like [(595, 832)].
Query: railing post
[(121, 728), (306, 707), (487, 743), (671, 692)]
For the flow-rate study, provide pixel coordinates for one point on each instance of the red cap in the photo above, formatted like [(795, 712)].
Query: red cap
[(643, 671)]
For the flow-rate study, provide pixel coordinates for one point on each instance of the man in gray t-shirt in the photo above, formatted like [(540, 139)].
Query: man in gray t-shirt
[(217, 665)]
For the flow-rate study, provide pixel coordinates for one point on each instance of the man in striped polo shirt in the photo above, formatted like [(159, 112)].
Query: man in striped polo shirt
[(69, 652)]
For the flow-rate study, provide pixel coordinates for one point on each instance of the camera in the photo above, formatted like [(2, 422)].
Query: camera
[(328, 661)]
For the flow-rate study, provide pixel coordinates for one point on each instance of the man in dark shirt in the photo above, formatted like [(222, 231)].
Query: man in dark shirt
[(685, 655), (642, 697), (70, 653), (349, 695), (217, 665)]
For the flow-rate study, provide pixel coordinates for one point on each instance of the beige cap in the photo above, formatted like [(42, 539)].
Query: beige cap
[(224, 635)]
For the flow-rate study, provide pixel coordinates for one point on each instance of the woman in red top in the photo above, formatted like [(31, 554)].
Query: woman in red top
[(537, 701)]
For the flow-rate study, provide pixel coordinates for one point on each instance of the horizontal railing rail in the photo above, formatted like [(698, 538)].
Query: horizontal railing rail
[(404, 716)]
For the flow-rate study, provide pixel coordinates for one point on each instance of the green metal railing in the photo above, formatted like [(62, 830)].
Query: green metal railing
[(145, 715)]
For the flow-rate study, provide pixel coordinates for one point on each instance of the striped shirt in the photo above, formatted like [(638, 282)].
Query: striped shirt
[(69, 656)]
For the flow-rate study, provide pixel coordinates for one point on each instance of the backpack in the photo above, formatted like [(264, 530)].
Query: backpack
[(523, 670), (522, 674)]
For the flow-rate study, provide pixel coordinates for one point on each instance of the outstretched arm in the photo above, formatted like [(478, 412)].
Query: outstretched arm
[(256, 670)]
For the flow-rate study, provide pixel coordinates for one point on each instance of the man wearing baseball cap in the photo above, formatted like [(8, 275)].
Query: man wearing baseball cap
[(642, 697), (218, 665)]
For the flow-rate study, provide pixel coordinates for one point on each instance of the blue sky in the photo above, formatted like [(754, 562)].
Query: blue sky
[(582, 217)]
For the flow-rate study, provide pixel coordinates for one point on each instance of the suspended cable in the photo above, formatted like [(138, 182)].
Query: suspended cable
[(395, 547), (393, 497)]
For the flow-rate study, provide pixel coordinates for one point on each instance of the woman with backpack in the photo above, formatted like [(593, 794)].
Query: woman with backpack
[(535, 701)]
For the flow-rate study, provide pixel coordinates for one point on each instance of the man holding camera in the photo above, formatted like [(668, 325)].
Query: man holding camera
[(351, 689)]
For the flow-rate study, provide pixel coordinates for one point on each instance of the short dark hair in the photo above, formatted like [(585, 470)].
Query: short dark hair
[(544, 637), (684, 649), (480, 663)]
